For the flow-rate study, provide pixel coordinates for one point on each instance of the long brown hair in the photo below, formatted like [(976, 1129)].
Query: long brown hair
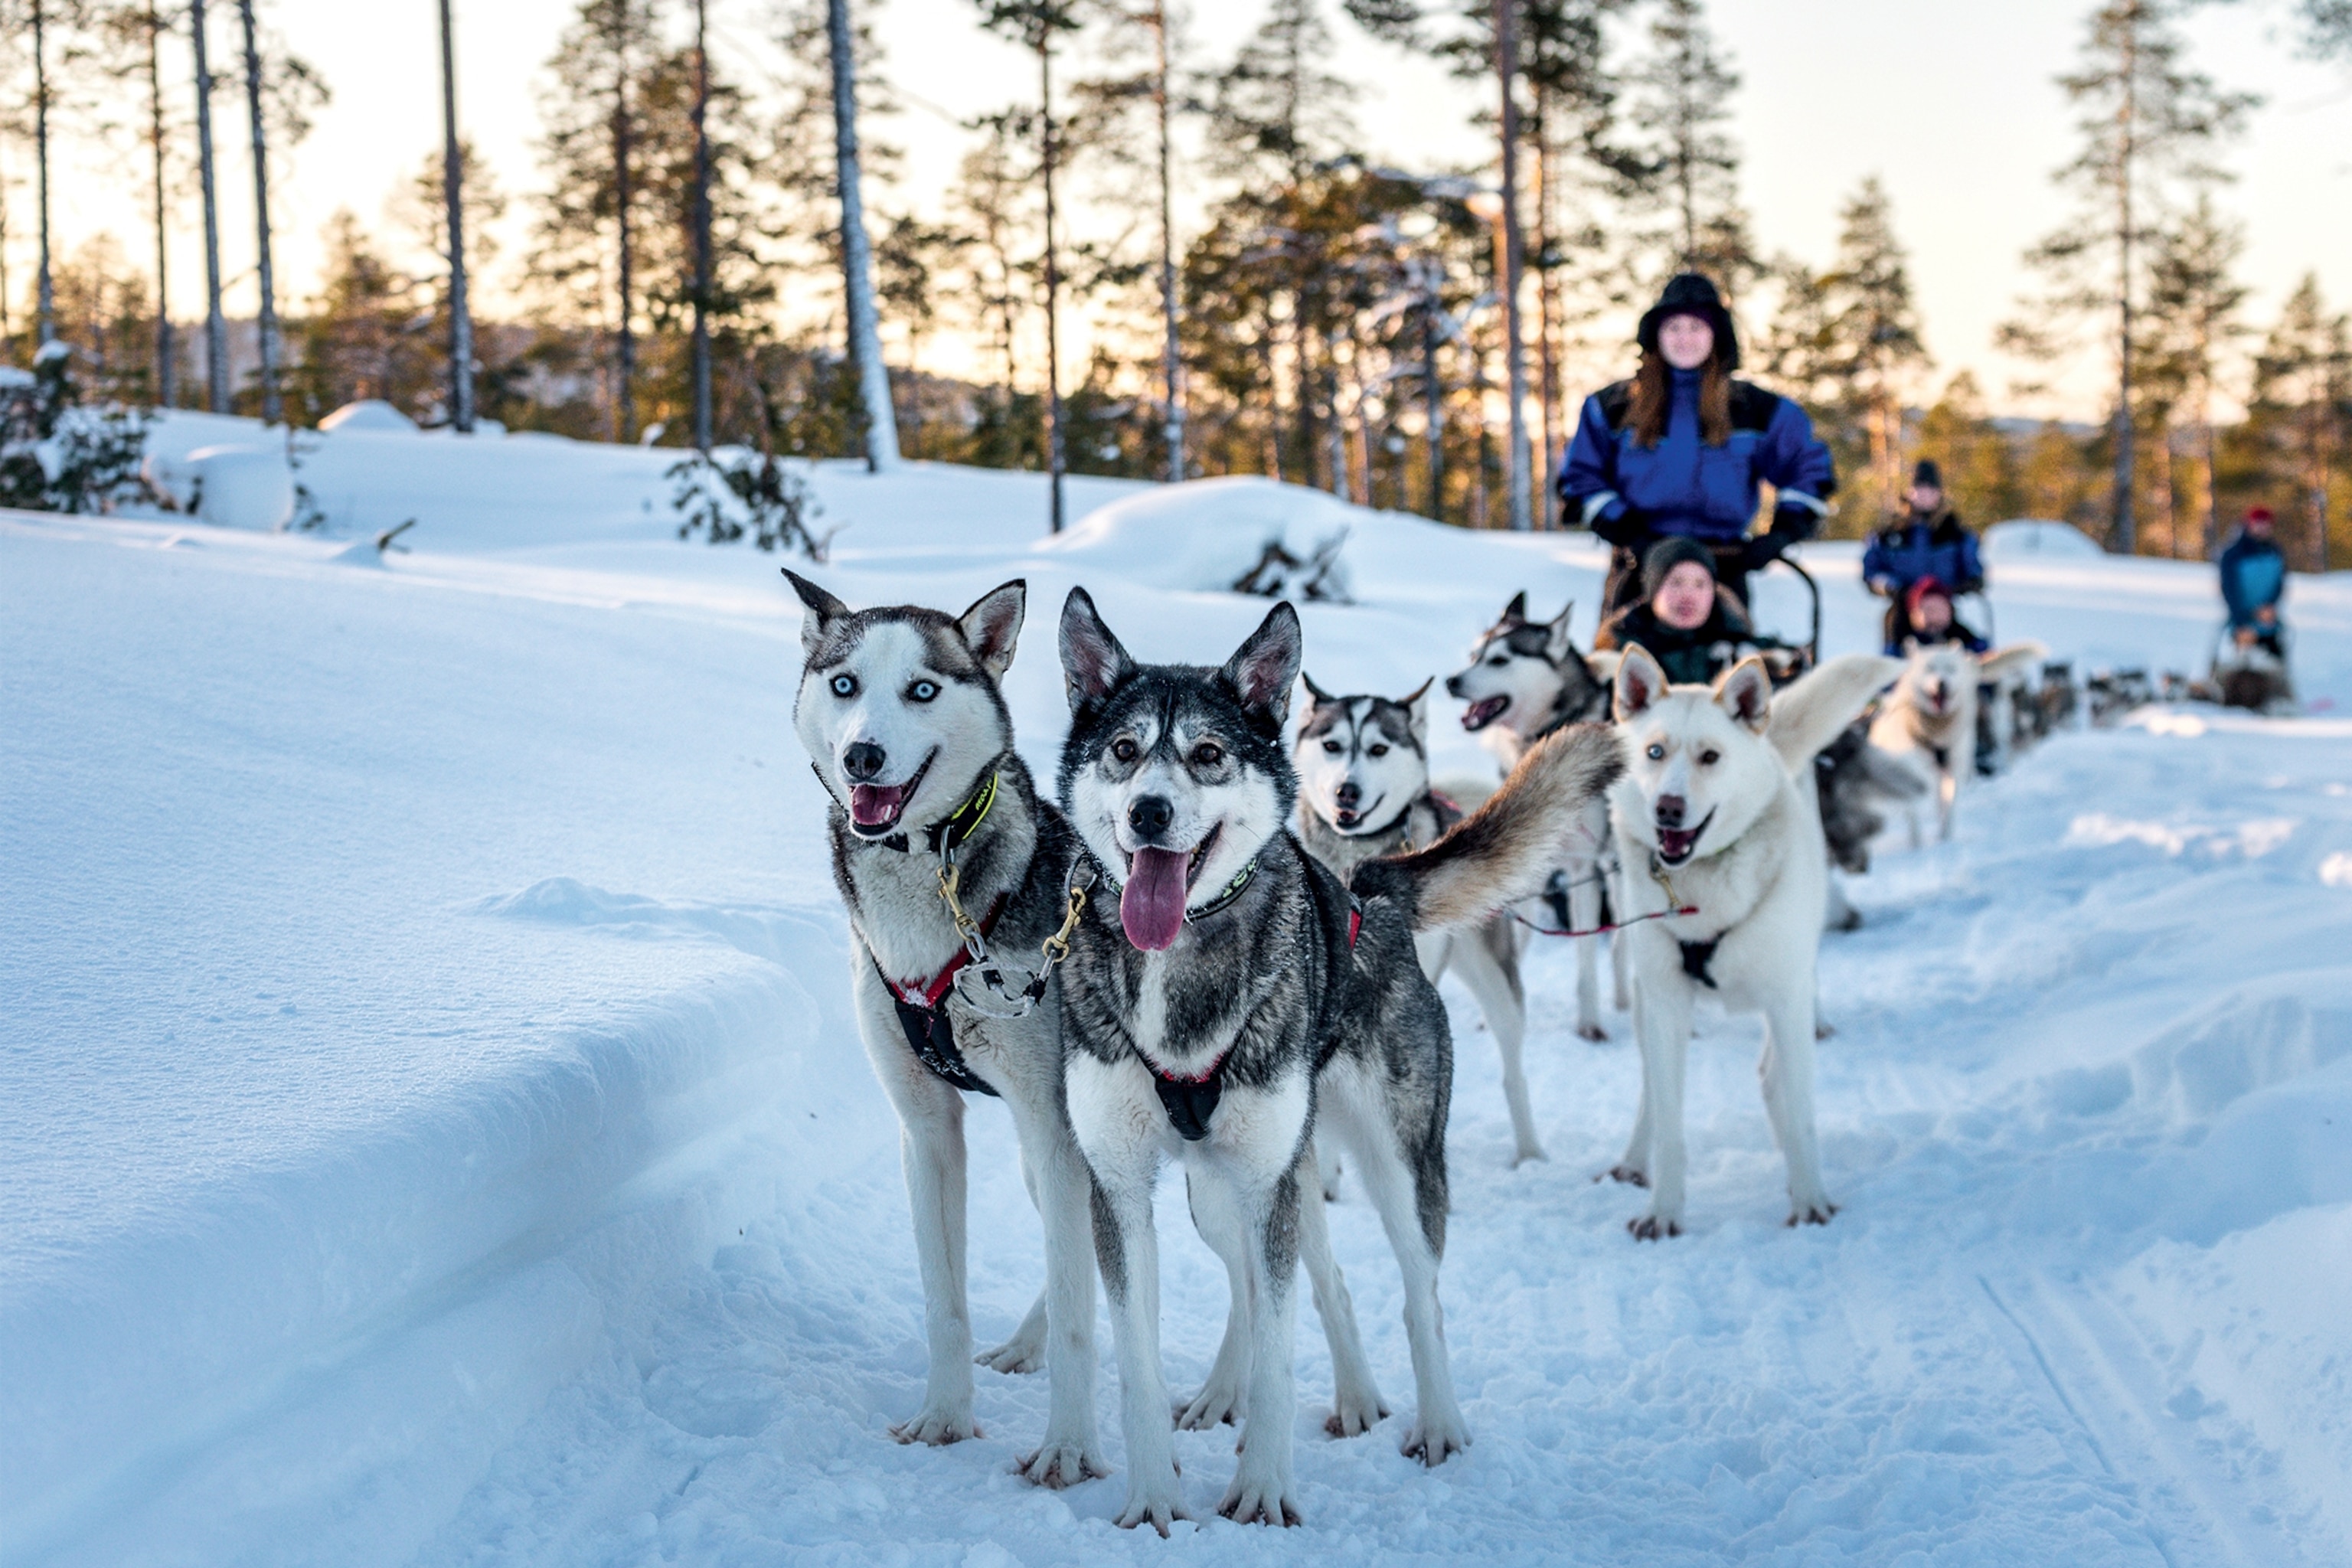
[(1653, 400)]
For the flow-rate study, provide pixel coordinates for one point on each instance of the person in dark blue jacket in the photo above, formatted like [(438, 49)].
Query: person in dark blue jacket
[(1927, 541), (2254, 581), (1681, 449)]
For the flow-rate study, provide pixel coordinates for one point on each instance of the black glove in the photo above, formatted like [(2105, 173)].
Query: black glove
[(1762, 550), (1792, 523), (1629, 528)]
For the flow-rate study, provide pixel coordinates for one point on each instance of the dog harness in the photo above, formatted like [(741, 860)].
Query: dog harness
[(1191, 1101), (954, 828), (1697, 956), (930, 1033)]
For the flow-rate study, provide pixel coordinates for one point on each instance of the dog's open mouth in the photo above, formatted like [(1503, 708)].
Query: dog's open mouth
[(1484, 711), (1159, 886), (1347, 819), (1675, 844), (874, 809)]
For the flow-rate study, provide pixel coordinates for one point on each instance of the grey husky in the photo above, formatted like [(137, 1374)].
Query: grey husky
[(936, 828), (1526, 679), (1243, 1000), (1364, 793)]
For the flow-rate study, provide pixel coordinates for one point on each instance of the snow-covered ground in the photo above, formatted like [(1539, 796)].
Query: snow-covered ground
[(432, 1132)]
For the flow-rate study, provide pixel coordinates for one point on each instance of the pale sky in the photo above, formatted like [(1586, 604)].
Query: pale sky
[(1954, 107)]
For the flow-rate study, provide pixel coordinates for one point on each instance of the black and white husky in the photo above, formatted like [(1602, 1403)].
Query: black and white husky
[(1364, 793), (1526, 679), (903, 720), (1241, 1000)]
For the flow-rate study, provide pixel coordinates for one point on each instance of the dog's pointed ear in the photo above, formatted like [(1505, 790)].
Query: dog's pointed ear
[(1515, 613), (1640, 683), (1745, 692), (1093, 662), (824, 609), (1417, 706), (1555, 642), (1265, 666), (1315, 694), (992, 627)]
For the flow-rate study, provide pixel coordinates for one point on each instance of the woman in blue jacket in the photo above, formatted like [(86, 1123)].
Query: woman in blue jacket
[(1680, 451)]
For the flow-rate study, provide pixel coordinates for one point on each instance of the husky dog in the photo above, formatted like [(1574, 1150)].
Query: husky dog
[(1242, 1001), (1526, 679), (1930, 721), (904, 722), (1853, 779), (1364, 793), (1725, 865)]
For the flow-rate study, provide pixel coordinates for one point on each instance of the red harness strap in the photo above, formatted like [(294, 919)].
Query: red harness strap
[(928, 997)]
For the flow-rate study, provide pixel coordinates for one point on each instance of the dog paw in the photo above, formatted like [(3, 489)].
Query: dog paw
[(1354, 1413), (938, 1427), (1216, 1404), (1015, 1355), (1592, 1032), (1433, 1439), (1650, 1227), (1260, 1499), (1158, 1507), (1811, 1214), (1063, 1464), (1632, 1175)]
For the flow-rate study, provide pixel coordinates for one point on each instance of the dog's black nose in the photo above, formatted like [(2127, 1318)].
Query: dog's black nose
[(1454, 686), (862, 760), (1670, 811), (1150, 815), (1349, 793)]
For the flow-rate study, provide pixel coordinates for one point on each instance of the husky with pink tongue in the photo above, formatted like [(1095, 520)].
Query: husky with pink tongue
[(1236, 1000), (902, 714)]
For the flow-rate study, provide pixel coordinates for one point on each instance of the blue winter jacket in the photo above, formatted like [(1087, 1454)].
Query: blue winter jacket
[(1627, 493), (2253, 576), (1937, 546)]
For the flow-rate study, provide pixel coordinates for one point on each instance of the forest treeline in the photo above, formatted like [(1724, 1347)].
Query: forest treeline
[(1237, 282)]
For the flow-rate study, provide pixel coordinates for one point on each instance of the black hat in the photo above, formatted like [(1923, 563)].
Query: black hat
[(1668, 553), (1690, 294), (1927, 474)]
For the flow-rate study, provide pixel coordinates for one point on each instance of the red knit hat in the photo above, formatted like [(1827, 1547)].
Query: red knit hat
[(1923, 589), (2259, 514)]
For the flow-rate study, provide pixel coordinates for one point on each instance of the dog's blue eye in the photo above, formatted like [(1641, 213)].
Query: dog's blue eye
[(844, 686), (922, 690), (1332, 747), (1657, 753)]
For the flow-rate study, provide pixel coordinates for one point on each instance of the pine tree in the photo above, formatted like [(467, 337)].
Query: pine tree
[(1683, 163), (1981, 480), (2147, 121), (2301, 414), (1876, 325), (2194, 303), (586, 233), (454, 162)]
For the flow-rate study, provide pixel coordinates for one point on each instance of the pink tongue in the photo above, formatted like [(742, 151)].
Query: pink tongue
[(871, 805), (1152, 906)]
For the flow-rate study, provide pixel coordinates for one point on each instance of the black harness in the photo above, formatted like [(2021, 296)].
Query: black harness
[(1697, 956), (921, 1018), (1191, 1101)]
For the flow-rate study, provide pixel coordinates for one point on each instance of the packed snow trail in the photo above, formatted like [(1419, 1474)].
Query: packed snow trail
[(433, 1131)]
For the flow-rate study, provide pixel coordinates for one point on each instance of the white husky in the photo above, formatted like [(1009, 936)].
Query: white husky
[(1930, 721), (1724, 872)]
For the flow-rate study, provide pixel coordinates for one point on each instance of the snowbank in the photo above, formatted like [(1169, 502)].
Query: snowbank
[(2029, 539)]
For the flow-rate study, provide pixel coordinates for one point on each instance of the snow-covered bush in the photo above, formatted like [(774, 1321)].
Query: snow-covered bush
[(735, 491), (56, 456)]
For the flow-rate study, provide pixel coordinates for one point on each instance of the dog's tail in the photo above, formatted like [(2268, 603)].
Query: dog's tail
[(2013, 660), (1508, 849), (1816, 709)]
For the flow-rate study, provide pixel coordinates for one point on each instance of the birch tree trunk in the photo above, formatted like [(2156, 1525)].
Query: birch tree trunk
[(857, 263), (217, 397), (453, 190)]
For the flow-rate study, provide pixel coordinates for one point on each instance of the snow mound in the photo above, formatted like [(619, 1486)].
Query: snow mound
[(236, 486), (1203, 535), (368, 413), (2026, 539)]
